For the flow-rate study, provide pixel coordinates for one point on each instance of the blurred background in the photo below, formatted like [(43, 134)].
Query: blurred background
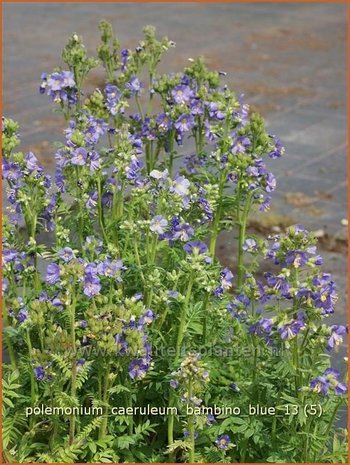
[(288, 59)]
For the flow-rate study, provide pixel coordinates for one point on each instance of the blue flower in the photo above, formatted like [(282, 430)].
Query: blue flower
[(328, 380), (110, 268), (336, 336), (195, 247), (158, 223), (184, 123), (182, 94), (39, 373), (52, 273), (278, 149), (250, 245), (138, 368), (181, 186), (79, 156), (240, 144), (66, 254), (290, 330), (134, 85), (223, 441), (22, 315), (91, 285)]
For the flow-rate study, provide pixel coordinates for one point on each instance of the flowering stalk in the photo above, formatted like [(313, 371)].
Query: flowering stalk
[(217, 219), (74, 362), (8, 339), (105, 399), (32, 379), (191, 426), (180, 334), (242, 218), (100, 209)]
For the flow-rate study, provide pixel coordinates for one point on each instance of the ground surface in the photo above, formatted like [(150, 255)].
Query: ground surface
[(288, 59)]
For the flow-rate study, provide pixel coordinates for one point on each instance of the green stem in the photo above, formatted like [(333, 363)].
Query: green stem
[(242, 222), (331, 421), (191, 427), (8, 339), (216, 224), (180, 334), (103, 427), (100, 210), (74, 364), (171, 151), (180, 337), (32, 379), (205, 316), (138, 262), (138, 103)]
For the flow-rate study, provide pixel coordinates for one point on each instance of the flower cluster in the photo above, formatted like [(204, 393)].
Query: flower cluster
[(60, 86)]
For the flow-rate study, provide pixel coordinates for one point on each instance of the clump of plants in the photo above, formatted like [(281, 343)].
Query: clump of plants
[(127, 340)]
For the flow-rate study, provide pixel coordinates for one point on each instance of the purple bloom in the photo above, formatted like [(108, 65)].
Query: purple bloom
[(67, 79), (184, 123), (32, 162), (215, 112), (340, 389), (134, 168), (210, 419), (138, 368), (278, 150), (336, 336), (55, 82), (125, 57), (196, 107), (278, 283), (174, 383), (195, 247), (159, 175), (66, 254), (223, 441), (158, 223), (187, 434), (182, 94), (147, 317), (39, 373), (83, 324), (181, 186), (11, 171), (239, 145), (290, 330), (22, 315), (164, 122), (265, 205), (226, 277), (113, 95), (94, 161), (91, 285), (52, 273), (326, 296), (319, 385), (110, 268), (328, 380), (270, 182), (183, 232), (92, 200), (122, 345), (242, 115), (250, 245), (79, 156), (134, 85)]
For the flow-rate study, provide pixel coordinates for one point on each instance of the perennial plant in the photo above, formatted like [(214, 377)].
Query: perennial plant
[(127, 340)]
